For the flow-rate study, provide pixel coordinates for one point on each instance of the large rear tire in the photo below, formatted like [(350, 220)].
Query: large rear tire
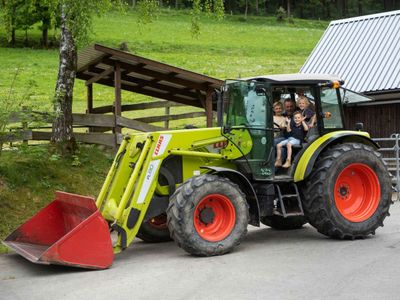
[(208, 215), (281, 223), (348, 193)]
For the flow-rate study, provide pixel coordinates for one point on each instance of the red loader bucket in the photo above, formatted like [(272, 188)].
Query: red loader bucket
[(69, 231)]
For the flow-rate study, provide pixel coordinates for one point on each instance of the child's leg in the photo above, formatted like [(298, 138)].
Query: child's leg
[(288, 162), (278, 161), (278, 151), (292, 141), (289, 152)]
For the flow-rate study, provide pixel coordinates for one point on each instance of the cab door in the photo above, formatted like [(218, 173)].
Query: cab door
[(249, 108)]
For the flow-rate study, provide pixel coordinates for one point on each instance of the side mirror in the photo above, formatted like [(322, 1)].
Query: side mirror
[(359, 126)]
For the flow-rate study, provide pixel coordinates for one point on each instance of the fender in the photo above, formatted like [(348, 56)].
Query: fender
[(306, 159), (245, 186)]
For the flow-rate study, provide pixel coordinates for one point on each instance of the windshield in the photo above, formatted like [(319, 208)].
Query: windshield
[(350, 97), (246, 104)]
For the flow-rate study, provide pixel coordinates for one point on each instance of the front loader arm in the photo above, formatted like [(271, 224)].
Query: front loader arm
[(133, 177)]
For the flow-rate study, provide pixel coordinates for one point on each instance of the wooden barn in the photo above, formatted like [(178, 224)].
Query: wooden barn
[(365, 52)]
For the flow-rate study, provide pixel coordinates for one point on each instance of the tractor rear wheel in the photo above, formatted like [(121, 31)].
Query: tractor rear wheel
[(348, 194), (281, 223), (208, 215), (155, 230)]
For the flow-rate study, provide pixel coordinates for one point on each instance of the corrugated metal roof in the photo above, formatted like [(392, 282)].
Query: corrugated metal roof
[(364, 51)]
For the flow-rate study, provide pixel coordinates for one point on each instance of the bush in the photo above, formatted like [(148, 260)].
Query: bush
[(11, 104), (280, 14)]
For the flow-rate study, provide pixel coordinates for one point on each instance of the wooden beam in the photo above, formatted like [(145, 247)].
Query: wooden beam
[(137, 106), (175, 98), (144, 82), (171, 117), (101, 129), (161, 76), (201, 99), (209, 108), (141, 83), (137, 125), (15, 136), (100, 76), (166, 96), (107, 139), (167, 112), (93, 120), (103, 109), (89, 98), (117, 86)]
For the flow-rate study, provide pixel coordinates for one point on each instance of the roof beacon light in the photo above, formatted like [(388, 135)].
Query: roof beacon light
[(336, 84), (333, 84)]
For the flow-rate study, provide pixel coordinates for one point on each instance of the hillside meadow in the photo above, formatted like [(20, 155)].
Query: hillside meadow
[(230, 48)]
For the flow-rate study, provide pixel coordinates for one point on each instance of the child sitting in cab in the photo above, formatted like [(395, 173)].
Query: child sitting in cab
[(309, 115), (296, 132)]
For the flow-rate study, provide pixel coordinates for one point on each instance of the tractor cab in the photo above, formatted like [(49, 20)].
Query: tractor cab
[(248, 105)]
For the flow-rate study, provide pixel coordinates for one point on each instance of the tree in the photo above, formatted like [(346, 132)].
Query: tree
[(213, 8), (266, 7), (20, 14), (257, 4), (8, 16), (62, 126), (42, 10), (17, 14), (76, 22)]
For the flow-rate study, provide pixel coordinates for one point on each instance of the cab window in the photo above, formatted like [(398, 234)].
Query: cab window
[(331, 109)]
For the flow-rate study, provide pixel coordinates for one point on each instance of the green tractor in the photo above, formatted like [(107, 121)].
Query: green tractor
[(202, 187)]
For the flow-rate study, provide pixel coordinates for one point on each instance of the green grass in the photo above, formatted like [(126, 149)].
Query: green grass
[(225, 49)]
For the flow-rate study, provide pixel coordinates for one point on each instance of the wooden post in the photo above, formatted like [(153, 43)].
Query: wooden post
[(167, 111), (89, 98), (209, 108), (117, 102), (89, 101), (24, 123)]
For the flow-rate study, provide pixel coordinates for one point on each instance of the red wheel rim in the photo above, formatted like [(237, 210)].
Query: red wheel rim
[(357, 192), (214, 217), (159, 222)]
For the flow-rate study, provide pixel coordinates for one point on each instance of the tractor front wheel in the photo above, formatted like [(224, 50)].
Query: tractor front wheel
[(348, 194), (208, 215), (155, 230)]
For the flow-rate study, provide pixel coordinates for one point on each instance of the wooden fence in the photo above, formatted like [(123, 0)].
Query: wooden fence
[(100, 128)]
